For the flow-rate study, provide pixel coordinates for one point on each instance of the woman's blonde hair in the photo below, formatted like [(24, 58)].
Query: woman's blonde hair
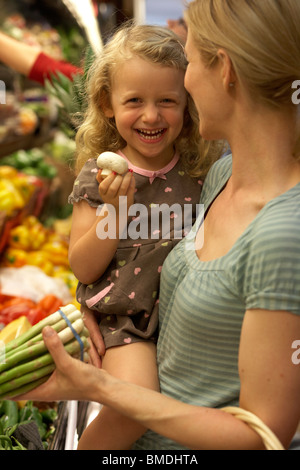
[(98, 133), (261, 37)]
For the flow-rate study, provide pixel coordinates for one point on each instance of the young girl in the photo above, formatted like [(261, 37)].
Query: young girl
[(138, 108)]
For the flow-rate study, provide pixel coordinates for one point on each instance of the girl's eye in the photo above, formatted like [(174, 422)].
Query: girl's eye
[(167, 101), (134, 100)]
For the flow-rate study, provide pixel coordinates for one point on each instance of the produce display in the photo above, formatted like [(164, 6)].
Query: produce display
[(32, 243), (13, 308), (30, 162), (36, 159), (38, 35), (16, 189), (16, 416), (27, 363)]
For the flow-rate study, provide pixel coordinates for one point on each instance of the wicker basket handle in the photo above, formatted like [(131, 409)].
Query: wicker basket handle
[(270, 440)]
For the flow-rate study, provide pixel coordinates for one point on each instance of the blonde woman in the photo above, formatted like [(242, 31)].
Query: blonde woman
[(230, 310)]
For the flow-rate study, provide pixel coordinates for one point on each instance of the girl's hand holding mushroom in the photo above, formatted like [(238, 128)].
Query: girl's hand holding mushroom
[(115, 180)]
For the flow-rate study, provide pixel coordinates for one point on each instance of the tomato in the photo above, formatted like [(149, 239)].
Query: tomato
[(3, 320), (35, 315), (4, 298), (19, 301), (12, 312)]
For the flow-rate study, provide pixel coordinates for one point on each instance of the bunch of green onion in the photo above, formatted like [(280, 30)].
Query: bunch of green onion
[(27, 363)]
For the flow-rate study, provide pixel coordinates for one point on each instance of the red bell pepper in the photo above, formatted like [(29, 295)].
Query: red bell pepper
[(50, 303)]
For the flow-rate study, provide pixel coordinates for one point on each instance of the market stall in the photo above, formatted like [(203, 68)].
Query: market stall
[(36, 177)]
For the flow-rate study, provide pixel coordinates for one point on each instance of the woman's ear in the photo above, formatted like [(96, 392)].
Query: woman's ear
[(228, 73)]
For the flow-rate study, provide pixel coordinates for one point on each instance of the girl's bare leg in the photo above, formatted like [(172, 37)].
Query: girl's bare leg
[(135, 363)]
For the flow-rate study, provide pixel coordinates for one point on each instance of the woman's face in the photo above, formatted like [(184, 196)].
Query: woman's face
[(206, 88)]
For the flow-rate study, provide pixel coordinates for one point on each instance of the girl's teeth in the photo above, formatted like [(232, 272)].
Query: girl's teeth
[(151, 135)]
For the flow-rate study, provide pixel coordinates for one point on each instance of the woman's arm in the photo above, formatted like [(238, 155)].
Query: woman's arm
[(270, 381), (270, 389), (191, 426)]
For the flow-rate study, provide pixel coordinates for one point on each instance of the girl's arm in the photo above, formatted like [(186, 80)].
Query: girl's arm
[(270, 388), (89, 255)]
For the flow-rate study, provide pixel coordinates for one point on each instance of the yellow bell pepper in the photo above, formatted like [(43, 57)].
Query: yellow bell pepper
[(24, 186), (7, 171), (7, 186), (7, 202), (38, 258), (57, 253), (14, 329), (30, 221), (38, 236), (14, 258), (19, 237)]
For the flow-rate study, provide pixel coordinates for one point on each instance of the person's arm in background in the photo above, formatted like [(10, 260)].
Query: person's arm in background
[(32, 61), (17, 55)]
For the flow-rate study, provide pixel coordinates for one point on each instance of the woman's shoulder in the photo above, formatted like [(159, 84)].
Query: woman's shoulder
[(216, 178), (280, 218), (221, 167)]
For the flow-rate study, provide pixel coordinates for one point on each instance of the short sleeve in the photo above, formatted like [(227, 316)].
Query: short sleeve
[(86, 186), (272, 270)]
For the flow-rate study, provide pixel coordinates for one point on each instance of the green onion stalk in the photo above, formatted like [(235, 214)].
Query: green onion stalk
[(27, 363)]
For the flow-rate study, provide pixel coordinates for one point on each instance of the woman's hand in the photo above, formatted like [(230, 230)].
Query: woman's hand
[(97, 346), (114, 186), (72, 378)]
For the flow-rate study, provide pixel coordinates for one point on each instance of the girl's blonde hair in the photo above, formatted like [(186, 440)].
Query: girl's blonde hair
[(262, 38), (98, 133)]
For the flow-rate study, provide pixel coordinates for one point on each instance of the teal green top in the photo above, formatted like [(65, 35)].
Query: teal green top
[(202, 304)]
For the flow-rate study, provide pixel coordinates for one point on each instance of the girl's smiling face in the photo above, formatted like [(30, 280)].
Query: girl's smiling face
[(148, 102)]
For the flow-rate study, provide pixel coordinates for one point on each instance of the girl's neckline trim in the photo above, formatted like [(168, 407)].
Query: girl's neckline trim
[(152, 174)]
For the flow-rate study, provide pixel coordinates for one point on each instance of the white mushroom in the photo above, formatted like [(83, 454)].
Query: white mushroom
[(110, 161)]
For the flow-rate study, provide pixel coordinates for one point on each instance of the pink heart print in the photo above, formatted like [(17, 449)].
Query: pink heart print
[(127, 340), (137, 271), (132, 295)]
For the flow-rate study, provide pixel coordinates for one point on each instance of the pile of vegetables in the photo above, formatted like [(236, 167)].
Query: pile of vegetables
[(31, 162), (26, 363), (13, 415), (32, 243), (16, 189), (14, 307)]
